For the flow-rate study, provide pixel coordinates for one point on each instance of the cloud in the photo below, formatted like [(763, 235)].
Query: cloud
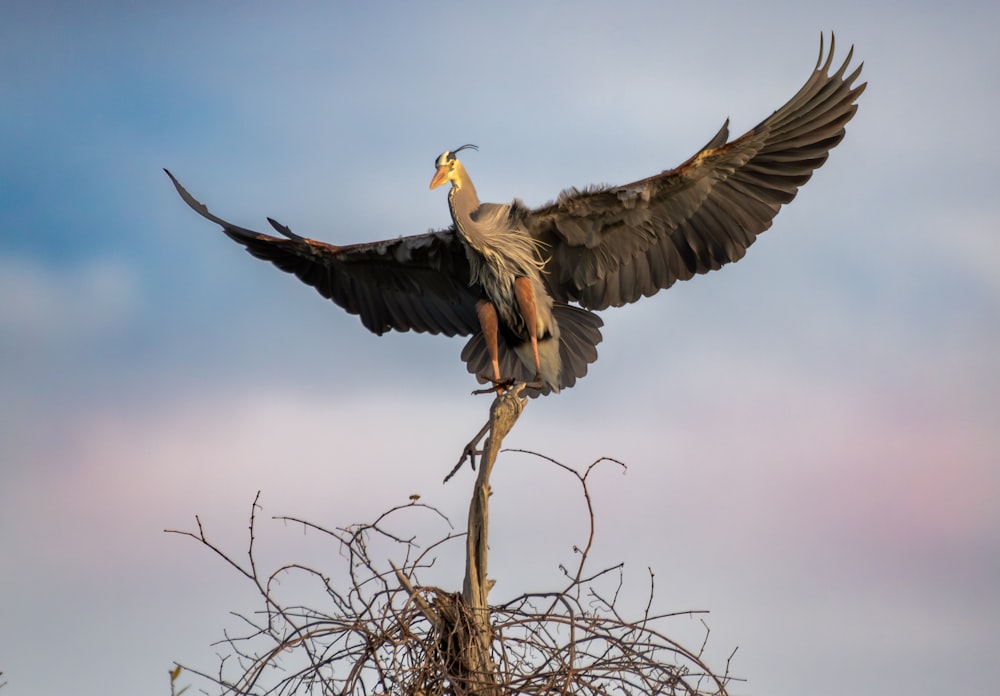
[(47, 304), (810, 433), (123, 473)]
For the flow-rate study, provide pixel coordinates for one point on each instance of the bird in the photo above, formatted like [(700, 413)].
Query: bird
[(525, 283)]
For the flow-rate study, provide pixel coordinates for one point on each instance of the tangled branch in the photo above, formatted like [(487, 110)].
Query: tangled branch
[(382, 631)]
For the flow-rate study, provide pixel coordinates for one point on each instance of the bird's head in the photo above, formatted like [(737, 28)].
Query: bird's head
[(449, 168)]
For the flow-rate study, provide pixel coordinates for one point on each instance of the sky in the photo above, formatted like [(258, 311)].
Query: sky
[(811, 434)]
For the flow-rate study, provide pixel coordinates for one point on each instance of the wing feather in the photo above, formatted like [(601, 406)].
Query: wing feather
[(612, 245), (418, 283)]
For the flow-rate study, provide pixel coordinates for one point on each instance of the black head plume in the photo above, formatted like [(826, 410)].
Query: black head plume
[(449, 155), (467, 146)]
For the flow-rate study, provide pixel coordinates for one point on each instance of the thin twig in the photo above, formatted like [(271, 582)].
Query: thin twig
[(385, 632)]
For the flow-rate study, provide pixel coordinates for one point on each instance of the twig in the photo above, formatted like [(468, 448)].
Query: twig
[(421, 603), (511, 396), (384, 632)]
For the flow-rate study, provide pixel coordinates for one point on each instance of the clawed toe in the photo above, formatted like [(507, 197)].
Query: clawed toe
[(499, 387)]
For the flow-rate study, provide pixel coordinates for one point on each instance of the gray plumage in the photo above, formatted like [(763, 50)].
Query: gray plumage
[(598, 247)]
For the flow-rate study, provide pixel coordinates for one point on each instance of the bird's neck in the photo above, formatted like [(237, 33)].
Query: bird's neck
[(463, 200), (497, 252)]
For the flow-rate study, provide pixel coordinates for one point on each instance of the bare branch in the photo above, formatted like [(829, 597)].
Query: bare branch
[(421, 603), (386, 633), (380, 631)]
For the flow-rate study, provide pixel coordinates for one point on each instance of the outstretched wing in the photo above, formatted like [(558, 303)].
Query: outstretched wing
[(418, 283), (611, 246)]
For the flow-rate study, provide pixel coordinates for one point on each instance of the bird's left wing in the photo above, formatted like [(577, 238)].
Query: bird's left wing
[(612, 245), (418, 283)]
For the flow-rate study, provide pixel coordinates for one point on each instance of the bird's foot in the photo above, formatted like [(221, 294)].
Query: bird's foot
[(499, 387), (537, 383)]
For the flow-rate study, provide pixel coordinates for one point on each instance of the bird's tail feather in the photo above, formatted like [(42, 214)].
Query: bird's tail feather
[(579, 334)]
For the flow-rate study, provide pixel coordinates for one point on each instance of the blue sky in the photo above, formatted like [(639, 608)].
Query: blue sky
[(811, 433)]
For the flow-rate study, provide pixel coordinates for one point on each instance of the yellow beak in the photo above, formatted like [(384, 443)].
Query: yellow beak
[(440, 176)]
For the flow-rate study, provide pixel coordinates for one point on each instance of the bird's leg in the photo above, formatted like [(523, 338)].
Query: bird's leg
[(490, 325), (524, 291)]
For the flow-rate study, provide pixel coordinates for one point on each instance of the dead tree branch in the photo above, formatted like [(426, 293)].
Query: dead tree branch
[(380, 631)]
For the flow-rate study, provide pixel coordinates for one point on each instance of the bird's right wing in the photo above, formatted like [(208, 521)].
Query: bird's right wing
[(418, 283), (610, 246)]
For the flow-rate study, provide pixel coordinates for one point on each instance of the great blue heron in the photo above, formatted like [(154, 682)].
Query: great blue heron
[(506, 274)]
